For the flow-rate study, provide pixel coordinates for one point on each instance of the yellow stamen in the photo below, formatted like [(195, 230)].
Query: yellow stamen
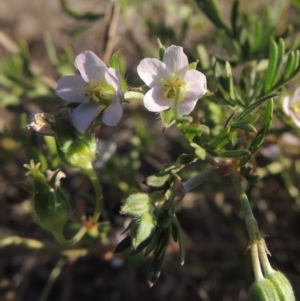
[(173, 86), (99, 92), (295, 107)]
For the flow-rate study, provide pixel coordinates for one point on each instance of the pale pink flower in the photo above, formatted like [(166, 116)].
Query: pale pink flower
[(171, 82), (97, 88), (291, 107)]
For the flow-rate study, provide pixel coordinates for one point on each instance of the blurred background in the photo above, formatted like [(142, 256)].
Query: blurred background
[(38, 43)]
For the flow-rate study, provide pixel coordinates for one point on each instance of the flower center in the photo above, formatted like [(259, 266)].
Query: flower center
[(173, 86), (295, 107), (99, 92)]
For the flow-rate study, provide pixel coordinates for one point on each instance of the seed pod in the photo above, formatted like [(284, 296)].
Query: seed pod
[(74, 148), (51, 208), (283, 286), (142, 229), (263, 291), (136, 205)]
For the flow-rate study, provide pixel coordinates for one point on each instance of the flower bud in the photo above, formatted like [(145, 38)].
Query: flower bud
[(161, 50), (263, 290), (283, 286), (142, 229), (51, 207), (136, 205), (74, 148)]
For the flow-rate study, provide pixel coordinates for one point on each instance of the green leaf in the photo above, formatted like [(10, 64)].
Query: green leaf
[(258, 36), (272, 67), (291, 61), (203, 56), (162, 244), (123, 245), (220, 139), (193, 130), (296, 3), (234, 17), (153, 242), (255, 105), (239, 153), (244, 126), (281, 51), (115, 62), (180, 236), (167, 117), (199, 151), (211, 10), (154, 269), (159, 179), (250, 119), (260, 136), (230, 119), (230, 85), (183, 160)]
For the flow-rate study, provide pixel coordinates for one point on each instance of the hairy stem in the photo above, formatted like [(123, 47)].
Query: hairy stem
[(251, 223), (99, 208)]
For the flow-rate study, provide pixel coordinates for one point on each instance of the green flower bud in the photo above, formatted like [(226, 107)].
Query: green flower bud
[(137, 204), (74, 148), (142, 229), (263, 290), (161, 50), (283, 286), (51, 207), (193, 66)]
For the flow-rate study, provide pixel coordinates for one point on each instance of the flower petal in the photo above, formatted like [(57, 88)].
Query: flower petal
[(286, 105), (113, 113), (151, 71), (90, 66), (297, 94), (71, 88), (296, 119), (112, 78), (196, 82), (187, 104), (154, 100), (84, 114), (176, 61)]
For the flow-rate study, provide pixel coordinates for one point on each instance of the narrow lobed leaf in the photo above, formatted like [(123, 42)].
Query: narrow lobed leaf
[(272, 67)]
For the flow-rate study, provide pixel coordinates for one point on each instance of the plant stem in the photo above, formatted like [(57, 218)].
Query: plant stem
[(99, 208), (263, 251), (59, 236), (256, 264), (199, 178), (251, 223), (52, 278)]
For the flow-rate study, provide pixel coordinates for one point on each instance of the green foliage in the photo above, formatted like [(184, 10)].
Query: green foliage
[(248, 60)]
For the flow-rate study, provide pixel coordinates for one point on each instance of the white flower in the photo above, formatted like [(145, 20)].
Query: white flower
[(291, 107), (171, 81), (97, 89)]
